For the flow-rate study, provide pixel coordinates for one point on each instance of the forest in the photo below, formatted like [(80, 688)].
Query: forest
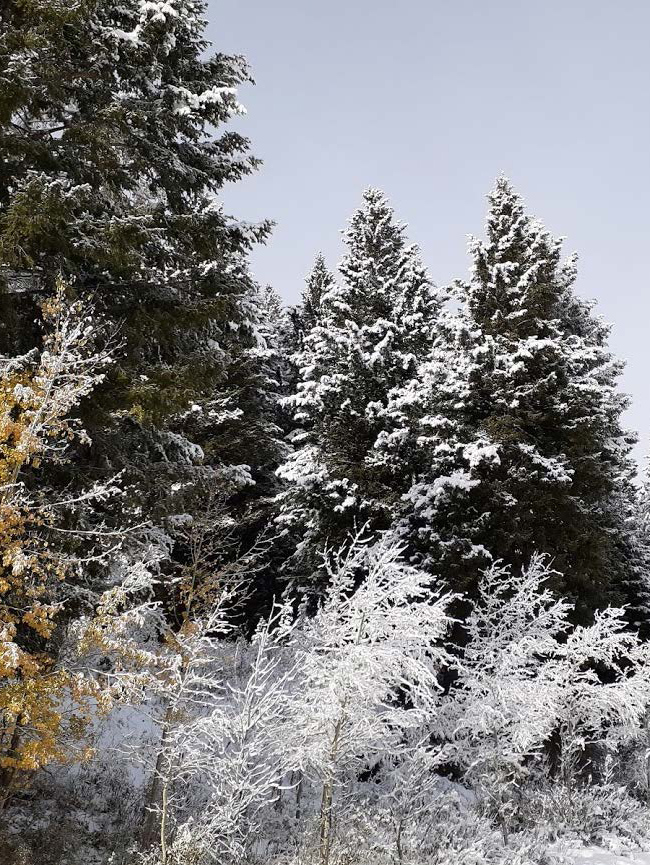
[(364, 579)]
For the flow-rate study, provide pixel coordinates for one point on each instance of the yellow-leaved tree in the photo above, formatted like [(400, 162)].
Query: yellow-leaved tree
[(43, 705)]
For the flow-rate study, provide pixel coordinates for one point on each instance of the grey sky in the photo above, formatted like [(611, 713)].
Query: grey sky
[(430, 100)]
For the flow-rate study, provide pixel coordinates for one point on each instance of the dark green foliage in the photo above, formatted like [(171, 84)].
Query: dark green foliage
[(362, 337), (522, 423), (110, 174)]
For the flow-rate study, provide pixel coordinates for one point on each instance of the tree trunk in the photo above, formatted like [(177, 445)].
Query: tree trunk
[(326, 823), (149, 823), (8, 773), (398, 840), (298, 797), (163, 822), (328, 785), (328, 795)]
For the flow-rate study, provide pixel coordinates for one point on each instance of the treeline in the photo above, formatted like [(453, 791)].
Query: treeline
[(479, 422), (375, 475)]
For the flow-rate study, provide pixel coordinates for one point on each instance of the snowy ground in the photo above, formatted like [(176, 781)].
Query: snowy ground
[(598, 856)]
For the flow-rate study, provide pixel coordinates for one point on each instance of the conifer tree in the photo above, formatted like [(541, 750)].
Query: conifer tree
[(318, 283), (522, 426), (298, 321), (371, 328), (111, 174), (638, 585)]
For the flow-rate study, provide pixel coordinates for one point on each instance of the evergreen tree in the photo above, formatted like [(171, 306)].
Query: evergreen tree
[(371, 328), (638, 594), (319, 281), (297, 322), (111, 174), (110, 168), (238, 428), (522, 424)]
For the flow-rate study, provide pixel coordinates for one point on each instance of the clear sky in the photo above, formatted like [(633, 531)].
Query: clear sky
[(429, 100)]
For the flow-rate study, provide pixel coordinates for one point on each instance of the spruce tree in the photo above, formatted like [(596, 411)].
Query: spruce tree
[(110, 168), (372, 326), (318, 283), (298, 320), (521, 425), (113, 119), (111, 174), (239, 426)]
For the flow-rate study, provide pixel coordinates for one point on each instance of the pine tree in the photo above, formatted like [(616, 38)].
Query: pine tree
[(124, 166), (371, 328), (522, 428), (237, 425), (118, 165), (638, 584)]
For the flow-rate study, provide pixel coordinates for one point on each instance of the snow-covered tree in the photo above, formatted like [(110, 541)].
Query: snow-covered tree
[(503, 706), (319, 281), (218, 701), (126, 166), (186, 683), (638, 584), (244, 752), (603, 674), (296, 322), (369, 660), (39, 393), (521, 425), (237, 426), (173, 647), (528, 678), (114, 177), (371, 328), (410, 785)]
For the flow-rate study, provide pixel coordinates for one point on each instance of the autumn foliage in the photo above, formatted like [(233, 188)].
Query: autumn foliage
[(43, 705)]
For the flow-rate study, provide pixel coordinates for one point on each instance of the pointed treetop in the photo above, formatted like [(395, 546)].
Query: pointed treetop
[(374, 213), (372, 195), (318, 282), (506, 214), (517, 270), (374, 259)]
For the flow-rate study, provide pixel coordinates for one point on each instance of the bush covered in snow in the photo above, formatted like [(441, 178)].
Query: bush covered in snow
[(352, 734)]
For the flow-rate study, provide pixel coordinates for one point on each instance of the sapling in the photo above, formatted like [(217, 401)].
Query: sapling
[(369, 660)]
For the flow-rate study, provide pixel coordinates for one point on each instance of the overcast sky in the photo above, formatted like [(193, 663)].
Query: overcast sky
[(430, 100)]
